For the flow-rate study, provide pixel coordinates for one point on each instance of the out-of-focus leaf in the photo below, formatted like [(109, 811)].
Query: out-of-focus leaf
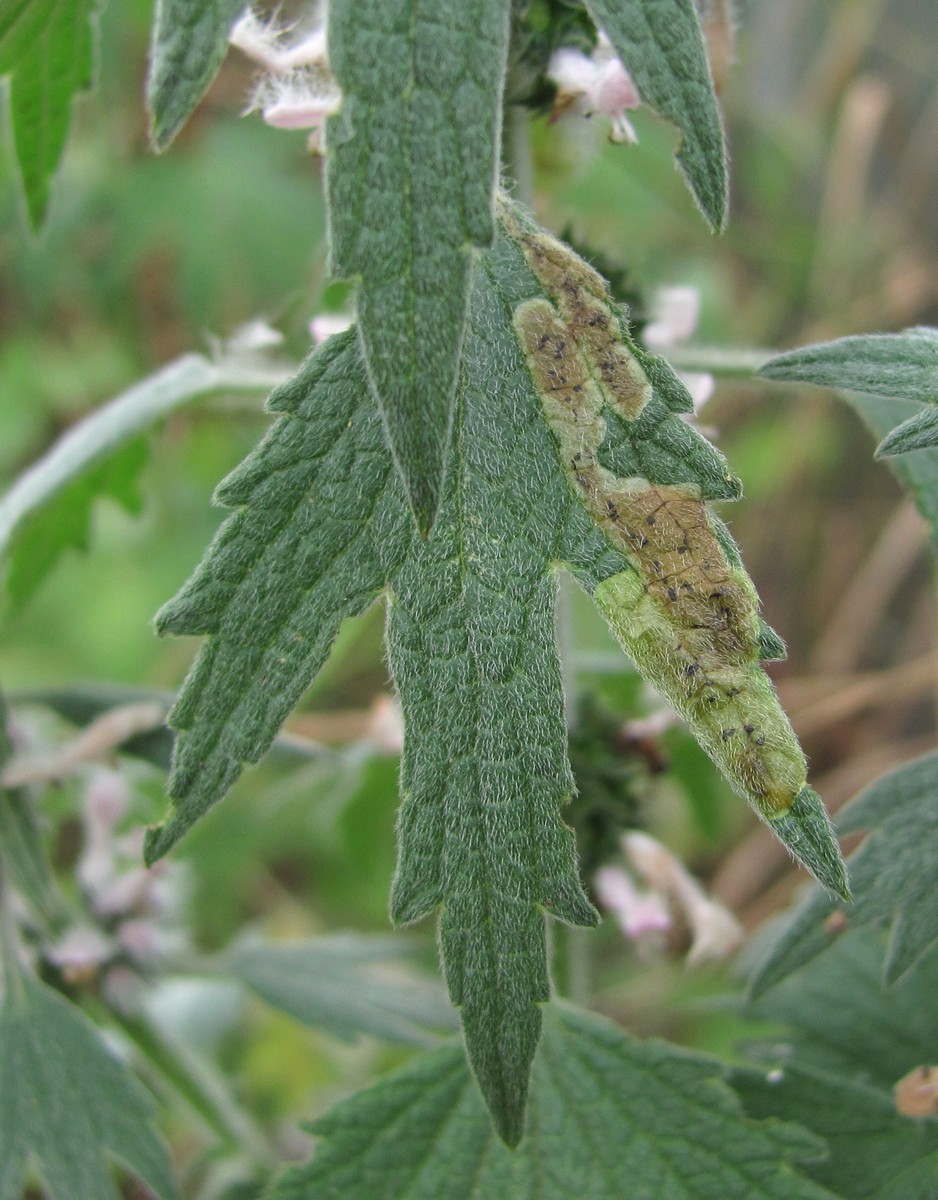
[(411, 170), (610, 1119), (661, 44), (839, 1016), (190, 38), (875, 1153), (892, 874), (347, 985), (67, 1102), (47, 49), (48, 509)]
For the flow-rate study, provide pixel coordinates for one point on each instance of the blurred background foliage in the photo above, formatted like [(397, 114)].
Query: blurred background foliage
[(832, 112)]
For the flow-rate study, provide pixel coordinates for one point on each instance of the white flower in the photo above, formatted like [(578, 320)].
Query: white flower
[(675, 313), (298, 91), (715, 931), (596, 83), (80, 951), (327, 325), (265, 42)]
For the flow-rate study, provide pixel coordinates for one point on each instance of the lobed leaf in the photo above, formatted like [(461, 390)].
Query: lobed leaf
[(65, 1101), (410, 171), (471, 641), (891, 873), (610, 1118), (311, 547), (662, 46), (875, 1153), (188, 44), (47, 50)]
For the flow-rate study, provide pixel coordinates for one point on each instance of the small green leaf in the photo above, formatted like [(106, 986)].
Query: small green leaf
[(611, 1119), (47, 49), (66, 1101), (346, 985), (411, 167), (189, 42), (901, 366), (875, 1153), (892, 875), (661, 44), (918, 433)]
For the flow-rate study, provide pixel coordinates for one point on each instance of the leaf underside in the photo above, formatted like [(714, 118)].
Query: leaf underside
[(410, 172), (47, 49), (66, 1101), (662, 46), (610, 1118), (324, 527), (188, 45), (891, 872)]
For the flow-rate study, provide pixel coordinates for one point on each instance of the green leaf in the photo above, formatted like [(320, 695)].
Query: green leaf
[(901, 366), (918, 433), (839, 1017), (875, 1153), (898, 366), (189, 42), (325, 527), (917, 470), (65, 1101), (892, 875), (661, 44), (411, 167), (611, 1118), (48, 509), (47, 49), (346, 985)]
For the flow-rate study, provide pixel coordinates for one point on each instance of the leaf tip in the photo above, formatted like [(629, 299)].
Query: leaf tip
[(806, 830)]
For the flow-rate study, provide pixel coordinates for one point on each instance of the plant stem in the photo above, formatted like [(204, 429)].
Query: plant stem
[(727, 362)]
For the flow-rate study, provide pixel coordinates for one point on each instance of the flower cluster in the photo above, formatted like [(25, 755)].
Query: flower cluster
[(297, 89)]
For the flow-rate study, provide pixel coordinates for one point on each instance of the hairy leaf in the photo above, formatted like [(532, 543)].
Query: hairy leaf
[(902, 366), (346, 985), (840, 1017), (325, 528), (49, 508), (189, 42), (610, 1118), (47, 49), (65, 1101), (875, 1153), (898, 366), (411, 166), (918, 433), (917, 471), (661, 44), (892, 875)]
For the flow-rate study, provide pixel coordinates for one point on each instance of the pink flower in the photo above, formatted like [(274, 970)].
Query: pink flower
[(596, 83), (715, 931), (642, 916), (327, 325)]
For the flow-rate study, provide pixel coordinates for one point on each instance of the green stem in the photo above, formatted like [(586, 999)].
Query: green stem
[(516, 152), (727, 362)]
